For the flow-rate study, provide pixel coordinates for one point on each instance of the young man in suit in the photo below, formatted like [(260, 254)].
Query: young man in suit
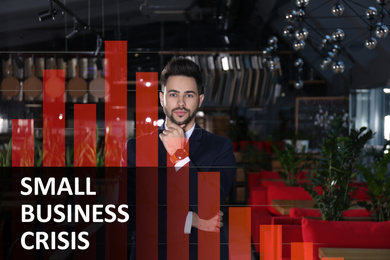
[(182, 94)]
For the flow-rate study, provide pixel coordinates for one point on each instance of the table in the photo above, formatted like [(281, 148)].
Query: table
[(284, 206), (355, 253)]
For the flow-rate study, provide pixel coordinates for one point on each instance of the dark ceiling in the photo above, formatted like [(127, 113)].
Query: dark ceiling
[(206, 25)]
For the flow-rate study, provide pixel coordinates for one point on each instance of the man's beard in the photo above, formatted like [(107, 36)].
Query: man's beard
[(186, 121)]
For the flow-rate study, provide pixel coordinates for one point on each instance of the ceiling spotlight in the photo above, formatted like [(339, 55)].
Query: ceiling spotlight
[(288, 31), (76, 29), (338, 9), (338, 35), (381, 30), (72, 34), (301, 3), (48, 14), (371, 13), (338, 66), (370, 43)]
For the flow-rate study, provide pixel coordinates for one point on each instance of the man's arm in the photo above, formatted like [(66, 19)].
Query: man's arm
[(225, 164), (210, 225)]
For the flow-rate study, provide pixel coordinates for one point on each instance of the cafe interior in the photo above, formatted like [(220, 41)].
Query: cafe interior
[(300, 87)]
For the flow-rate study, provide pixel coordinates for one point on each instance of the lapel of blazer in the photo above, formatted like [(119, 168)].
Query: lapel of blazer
[(195, 140)]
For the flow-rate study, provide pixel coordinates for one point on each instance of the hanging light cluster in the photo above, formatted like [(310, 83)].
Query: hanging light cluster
[(331, 48), (298, 63), (376, 24), (331, 44), (299, 33), (270, 59)]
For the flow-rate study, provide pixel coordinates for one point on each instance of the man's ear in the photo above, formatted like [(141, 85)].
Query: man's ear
[(161, 94), (201, 98)]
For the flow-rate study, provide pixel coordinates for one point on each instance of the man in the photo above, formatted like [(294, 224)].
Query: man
[(181, 96)]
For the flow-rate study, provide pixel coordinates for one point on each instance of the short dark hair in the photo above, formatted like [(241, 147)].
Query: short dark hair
[(181, 66)]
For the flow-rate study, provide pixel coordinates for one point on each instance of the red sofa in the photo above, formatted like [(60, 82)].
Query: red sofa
[(263, 187), (346, 234)]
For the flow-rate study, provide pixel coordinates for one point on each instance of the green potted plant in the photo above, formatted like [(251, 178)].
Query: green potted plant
[(5, 155), (336, 167), (5, 161), (378, 181), (292, 162)]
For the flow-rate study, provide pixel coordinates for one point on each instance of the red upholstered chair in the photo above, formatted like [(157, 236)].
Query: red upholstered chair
[(291, 232), (254, 180), (346, 234), (264, 174), (278, 192), (361, 192), (259, 213)]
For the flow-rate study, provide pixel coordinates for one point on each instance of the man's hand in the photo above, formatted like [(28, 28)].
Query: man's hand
[(210, 225), (173, 138)]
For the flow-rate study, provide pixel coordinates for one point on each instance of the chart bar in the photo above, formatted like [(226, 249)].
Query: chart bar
[(147, 165), (22, 142), (54, 118), (240, 233), (85, 135), (208, 207)]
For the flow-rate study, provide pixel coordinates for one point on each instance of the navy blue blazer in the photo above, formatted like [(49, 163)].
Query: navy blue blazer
[(207, 152)]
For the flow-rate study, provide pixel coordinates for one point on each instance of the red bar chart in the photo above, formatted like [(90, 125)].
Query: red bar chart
[(147, 166)]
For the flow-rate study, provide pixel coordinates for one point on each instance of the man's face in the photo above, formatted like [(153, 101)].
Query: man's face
[(181, 100)]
